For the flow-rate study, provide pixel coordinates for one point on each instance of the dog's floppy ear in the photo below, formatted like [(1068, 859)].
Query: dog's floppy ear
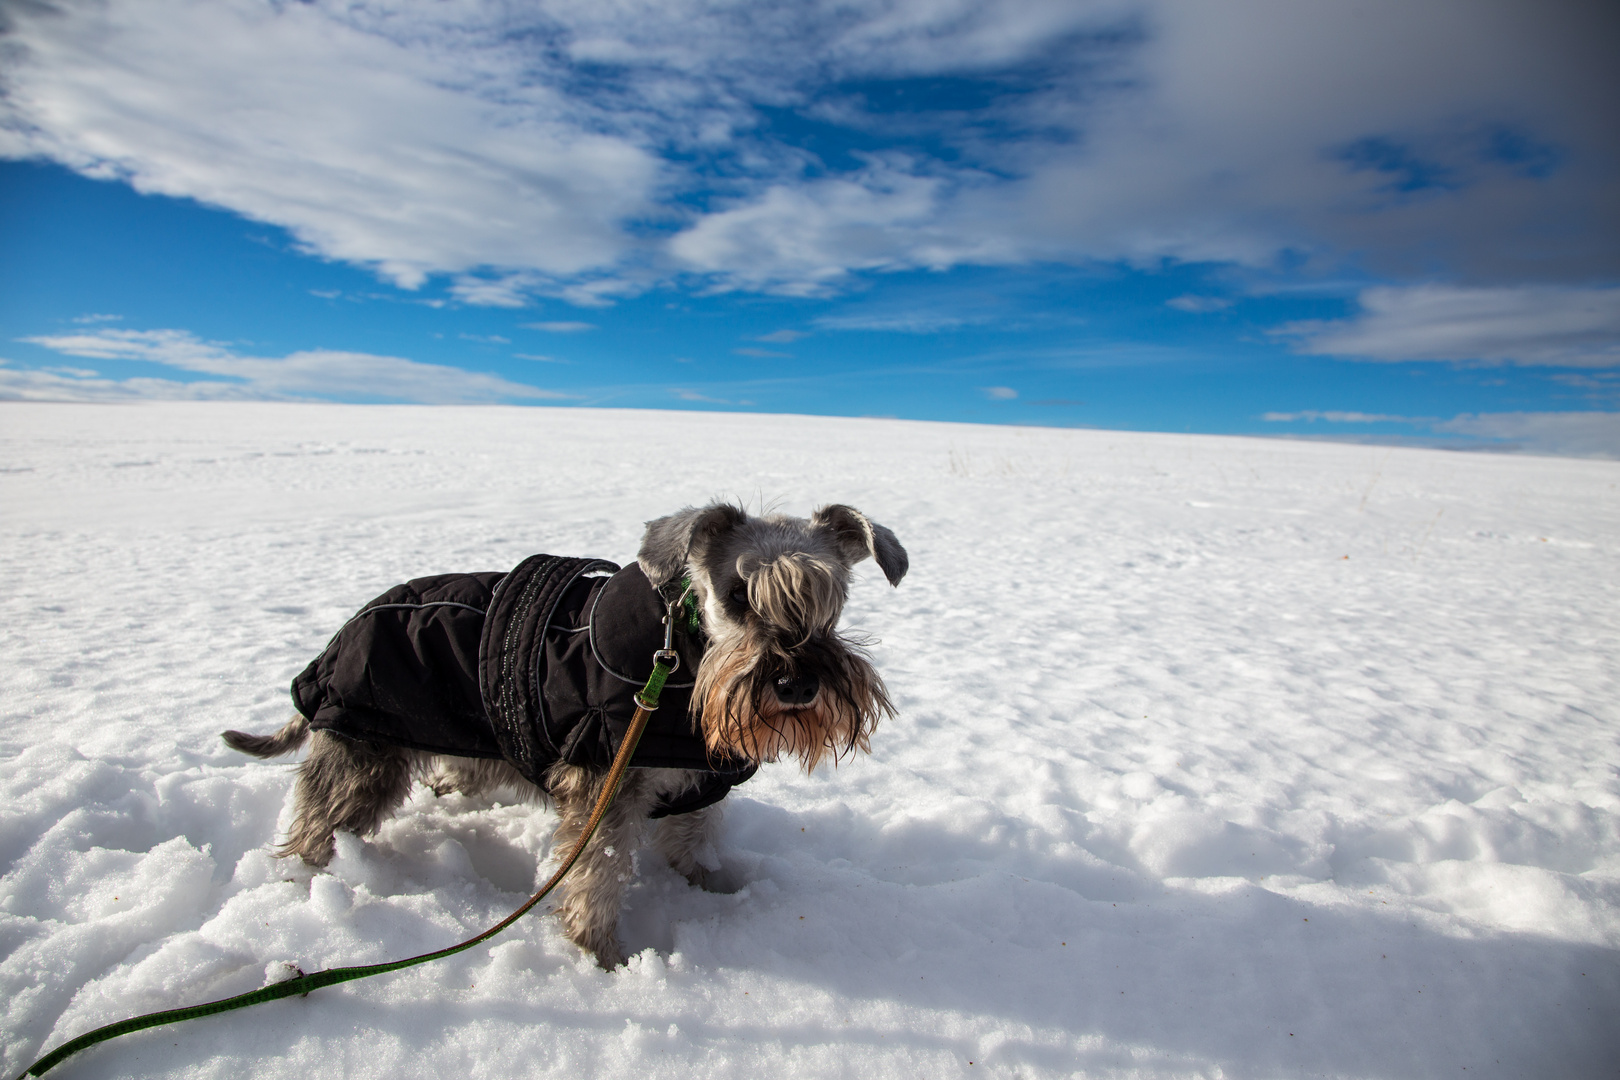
[(670, 541), (858, 536)]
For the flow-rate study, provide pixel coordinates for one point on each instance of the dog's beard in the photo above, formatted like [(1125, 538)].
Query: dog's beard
[(741, 717)]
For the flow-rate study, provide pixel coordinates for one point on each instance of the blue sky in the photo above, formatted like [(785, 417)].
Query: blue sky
[(1386, 220)]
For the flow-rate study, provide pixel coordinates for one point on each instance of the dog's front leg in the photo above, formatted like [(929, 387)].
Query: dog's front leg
[(593, 892), (687, 842)]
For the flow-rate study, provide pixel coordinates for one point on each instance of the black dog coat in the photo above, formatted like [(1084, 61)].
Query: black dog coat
[(535, 666)]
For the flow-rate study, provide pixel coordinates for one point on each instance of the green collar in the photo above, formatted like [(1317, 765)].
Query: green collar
[(691, 623)]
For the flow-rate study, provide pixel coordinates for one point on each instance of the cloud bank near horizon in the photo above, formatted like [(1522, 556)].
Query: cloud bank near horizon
[(317, 375), (1584, 433), (590, 152), (307, 375), (1535, 325)]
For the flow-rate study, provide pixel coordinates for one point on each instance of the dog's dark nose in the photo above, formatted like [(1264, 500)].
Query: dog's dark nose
[(797, 689)]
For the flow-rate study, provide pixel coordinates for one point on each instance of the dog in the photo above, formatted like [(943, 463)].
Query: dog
[(475, 682)]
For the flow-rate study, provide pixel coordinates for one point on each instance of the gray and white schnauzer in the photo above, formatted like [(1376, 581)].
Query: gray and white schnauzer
[(472, 682)]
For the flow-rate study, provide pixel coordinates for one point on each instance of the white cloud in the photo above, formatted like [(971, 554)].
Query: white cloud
[(1546, 325), (762, 354), (803, 239), (316, 374), (505, 291), (1582, 434), (1198, 304), (1336, 417), (586, 151), (1250, 132), (1237, 138), (782, 337), (560, 327), (391, 152), (999, 393), (24, 384), (693, 395), (1577, 434), (916, 321)]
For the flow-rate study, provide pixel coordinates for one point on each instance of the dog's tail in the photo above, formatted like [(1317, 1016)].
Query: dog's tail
[(285, 741)]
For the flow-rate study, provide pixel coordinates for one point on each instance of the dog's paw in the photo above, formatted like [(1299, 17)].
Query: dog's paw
[(609, 956), (599, 941), (444, 780)]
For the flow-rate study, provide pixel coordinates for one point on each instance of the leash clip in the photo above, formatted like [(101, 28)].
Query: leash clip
[(666, 658), (667, 655)]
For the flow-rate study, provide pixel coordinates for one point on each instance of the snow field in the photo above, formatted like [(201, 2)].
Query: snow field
[(1215, 757)]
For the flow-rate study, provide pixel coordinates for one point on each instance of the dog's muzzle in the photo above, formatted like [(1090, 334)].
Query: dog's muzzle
[(797, 690)]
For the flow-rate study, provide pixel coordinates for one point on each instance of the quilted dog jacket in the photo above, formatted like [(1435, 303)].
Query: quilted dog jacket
[(535, 666)]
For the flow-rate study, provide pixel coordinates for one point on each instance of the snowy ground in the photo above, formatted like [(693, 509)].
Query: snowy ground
[(1215, 757)]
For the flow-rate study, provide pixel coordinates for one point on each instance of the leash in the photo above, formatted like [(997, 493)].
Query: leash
[(665, 661)]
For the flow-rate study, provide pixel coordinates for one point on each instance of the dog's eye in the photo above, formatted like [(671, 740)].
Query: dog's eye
[(739, 594)]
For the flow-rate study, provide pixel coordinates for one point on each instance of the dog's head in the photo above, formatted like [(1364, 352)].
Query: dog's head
[(777, 678)]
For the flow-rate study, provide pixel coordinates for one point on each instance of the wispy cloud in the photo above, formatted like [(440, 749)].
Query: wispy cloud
[(1543, 325), (782, 337), (914, 321), (1583, 434), (502, 291), (560, 327), (317, 374), (1336, 417), (1601, 386), (1578, 434), (998, 393), (373, 140), (803, 239), (1198, 304), (34, 384), (763, 354), (693, 395)]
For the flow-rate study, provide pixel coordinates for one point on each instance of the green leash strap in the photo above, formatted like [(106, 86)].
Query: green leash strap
[(301, 984)]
